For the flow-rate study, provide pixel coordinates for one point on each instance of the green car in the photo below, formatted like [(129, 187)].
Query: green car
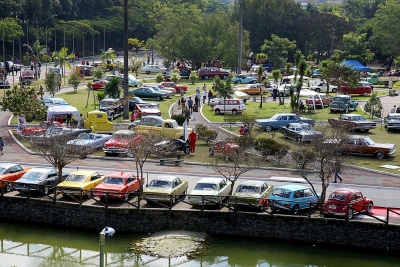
[(163, 187), (148, 92), (251, 194)]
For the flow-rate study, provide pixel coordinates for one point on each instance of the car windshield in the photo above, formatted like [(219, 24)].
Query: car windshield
[(205, 186), (113, 180), (59, 101), (75, 178), (2, 170), (394, 118), (338, 196), (33, 175), (160, 184), (85, 136), (368, 141), (280, 192), (306, 127), (106, 103), (248, 189)]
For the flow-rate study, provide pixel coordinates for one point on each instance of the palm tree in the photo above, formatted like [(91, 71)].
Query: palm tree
[(107, 55), (61, 59), (261, 58), (35, 53)]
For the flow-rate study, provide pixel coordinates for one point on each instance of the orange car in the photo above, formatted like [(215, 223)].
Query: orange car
[(10, 172), (252, 89)]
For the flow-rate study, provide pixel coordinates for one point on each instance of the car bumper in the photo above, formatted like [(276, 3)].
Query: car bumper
[(115, 150), (332, 213), (158, 198)]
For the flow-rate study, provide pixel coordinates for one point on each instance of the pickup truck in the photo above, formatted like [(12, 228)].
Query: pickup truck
[(97, 121), (168, 128)]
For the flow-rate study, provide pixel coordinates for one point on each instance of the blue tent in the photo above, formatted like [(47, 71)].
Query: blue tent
[(355, 65)]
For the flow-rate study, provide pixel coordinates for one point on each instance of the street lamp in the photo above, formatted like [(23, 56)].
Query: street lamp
[(105, 233), (37, 47)]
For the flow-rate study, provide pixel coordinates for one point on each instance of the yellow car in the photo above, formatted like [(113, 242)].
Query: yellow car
[(163, 187), (80, 182), (251, 194), (252, 89)]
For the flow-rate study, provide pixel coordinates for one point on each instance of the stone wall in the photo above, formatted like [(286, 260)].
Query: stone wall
[(297, 228)]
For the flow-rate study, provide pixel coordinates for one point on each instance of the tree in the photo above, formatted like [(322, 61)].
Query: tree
[(50, 82), (61, 58), (302, 66), (113, 88), (356, 46), (108, 55), (339, 74), (74, 79), (136, 64), (374, 106), (278, 50), (261, 58), (136, 44), (321, 155), (36, 53), (276, 74), (23, 102)]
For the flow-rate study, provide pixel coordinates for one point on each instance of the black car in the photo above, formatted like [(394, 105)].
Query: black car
[(173, 145), (4, 84), (185, 73), (112, 106)]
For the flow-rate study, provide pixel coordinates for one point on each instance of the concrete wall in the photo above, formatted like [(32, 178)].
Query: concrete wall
[(313, 230)]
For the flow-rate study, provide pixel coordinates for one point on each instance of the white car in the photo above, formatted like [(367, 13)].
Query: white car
[(158, 89), (233, 106), (170, 89), (152, 69), (210, 191), (322, 87)]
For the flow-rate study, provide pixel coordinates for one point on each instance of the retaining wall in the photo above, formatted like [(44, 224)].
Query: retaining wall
[(314, 230)]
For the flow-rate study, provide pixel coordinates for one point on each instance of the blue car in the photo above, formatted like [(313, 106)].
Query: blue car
[(244, 79), (281, 120), (292, 198)]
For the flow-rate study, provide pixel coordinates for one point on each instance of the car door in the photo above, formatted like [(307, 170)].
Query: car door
[(131, 183), (358, 202), (291, 132), (178, 186), (52, 178), (14, 173), (309, 197), (298, 199), (225, 187), (282, 121)]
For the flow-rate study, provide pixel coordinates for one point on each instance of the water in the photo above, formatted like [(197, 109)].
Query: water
[(26, 245)]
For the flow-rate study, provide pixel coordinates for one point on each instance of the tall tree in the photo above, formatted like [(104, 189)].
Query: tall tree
[(339, 74), (278, 50), (356, 46), (261, 58)]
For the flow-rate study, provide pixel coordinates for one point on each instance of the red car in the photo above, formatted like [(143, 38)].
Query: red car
[(147, 109), (118, 185), (10, 172), (318, 99), (210, 73), (224, 147), (120, 143), (345, 202), (41, 129), (99, 84), (177, 87), (362, 89)]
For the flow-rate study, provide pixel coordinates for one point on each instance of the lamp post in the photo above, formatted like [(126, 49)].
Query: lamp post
[(240, 37), (37, 41), (105, 233)]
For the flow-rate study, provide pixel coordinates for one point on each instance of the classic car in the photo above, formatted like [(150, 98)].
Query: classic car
[(362, 89), (244, 79), (241, 95), (27, 77), (320, 100), (133, 101), (300, 132), (171, 90), (117, 185), (280, 119), (97, 122), (4, 84), (292, 198), (53, 101), (210, 191), (98, 84), (143, 110), (80, 182), (147, 92), (362, 145), (41, 129), (233, 106), (210, 73), (169, 128), (120, 142), (131, 79), (345, 202), (38, 179), (58, 132), (152, 69), (84, 70), (253, 89), (178, 87), (352, 122), (224, 147), (323, 87), (342, 103), (172, 145), (10, 172), (392, 121), (87, 141), (149, 120), (251, 194), (165, 188), (156, 88), (112, 106)]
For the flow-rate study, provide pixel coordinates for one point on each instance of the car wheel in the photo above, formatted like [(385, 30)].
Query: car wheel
[(234, 112), (224, 77), (298, 139), (206, 77), (126, 196), (380, 155), (268, 128), (369, 209), (46, 190), (346, 110), (238, 81), (295, 209), (366, 130), (350, 214), (90, 193), (317, 90), (173, 199), (285, 136), (339, 152), (158, 98), (254, 81), (147, 72), (186, 150), (366, 94), (8, 187), (217, 111), (112, 117), (211, 152), (334, 90)]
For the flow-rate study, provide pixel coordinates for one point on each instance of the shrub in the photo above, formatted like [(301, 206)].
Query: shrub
[(101, 95), (207, 136), (98, 72), (270, 147), (194, 76), (175, 77), (113, 89), (159, 78), (180, 119), (244, 142)]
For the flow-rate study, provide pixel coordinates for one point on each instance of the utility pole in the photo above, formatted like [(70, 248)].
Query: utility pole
[(126, 89), (239, 70)]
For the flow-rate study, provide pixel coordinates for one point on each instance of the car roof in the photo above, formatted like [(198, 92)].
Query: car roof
[(153, 117), (346, 190), (285, 114), (119, 174), (211, 180), (83, 172), (252, 182), (41, 169), (292, 187), (298, 123), (354, 136), (353, 115), (7, 165), (168, 178), (110, 99)]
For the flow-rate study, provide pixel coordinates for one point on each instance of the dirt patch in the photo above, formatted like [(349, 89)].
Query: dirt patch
[(171, 244)]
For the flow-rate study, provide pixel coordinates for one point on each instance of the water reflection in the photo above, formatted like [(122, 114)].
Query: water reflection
[(26, 245)]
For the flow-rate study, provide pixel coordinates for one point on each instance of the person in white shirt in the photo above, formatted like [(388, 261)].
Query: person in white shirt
[(204, 95)]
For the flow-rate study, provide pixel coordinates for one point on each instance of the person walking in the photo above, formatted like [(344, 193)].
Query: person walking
[(393, 110), (192, 141), (186, 112), (210, 96), (197, 99), (195, 110), (190, 105), (197, 90), (1, 145), (81, 121), (204, 88), (183, 104), (337, 170), (204, 95)]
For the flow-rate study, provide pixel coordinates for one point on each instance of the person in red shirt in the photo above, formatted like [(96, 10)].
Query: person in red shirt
[(192, 141), (60, 119)]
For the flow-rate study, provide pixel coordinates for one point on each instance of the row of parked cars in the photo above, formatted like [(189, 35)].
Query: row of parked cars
[(249, 194)]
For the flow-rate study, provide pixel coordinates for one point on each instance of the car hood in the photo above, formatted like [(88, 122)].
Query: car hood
[(71, 184), (109, 187), (309, 132), (150, 110), (29, 181), (204, 192), (150, 190), (383, 145)]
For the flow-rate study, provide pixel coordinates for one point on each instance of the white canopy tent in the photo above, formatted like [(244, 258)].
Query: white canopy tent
[(60, 110)]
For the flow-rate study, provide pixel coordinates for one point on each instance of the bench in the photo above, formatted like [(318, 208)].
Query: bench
[(177, 162)]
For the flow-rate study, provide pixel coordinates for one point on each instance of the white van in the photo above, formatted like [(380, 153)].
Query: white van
[(233, 106)]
